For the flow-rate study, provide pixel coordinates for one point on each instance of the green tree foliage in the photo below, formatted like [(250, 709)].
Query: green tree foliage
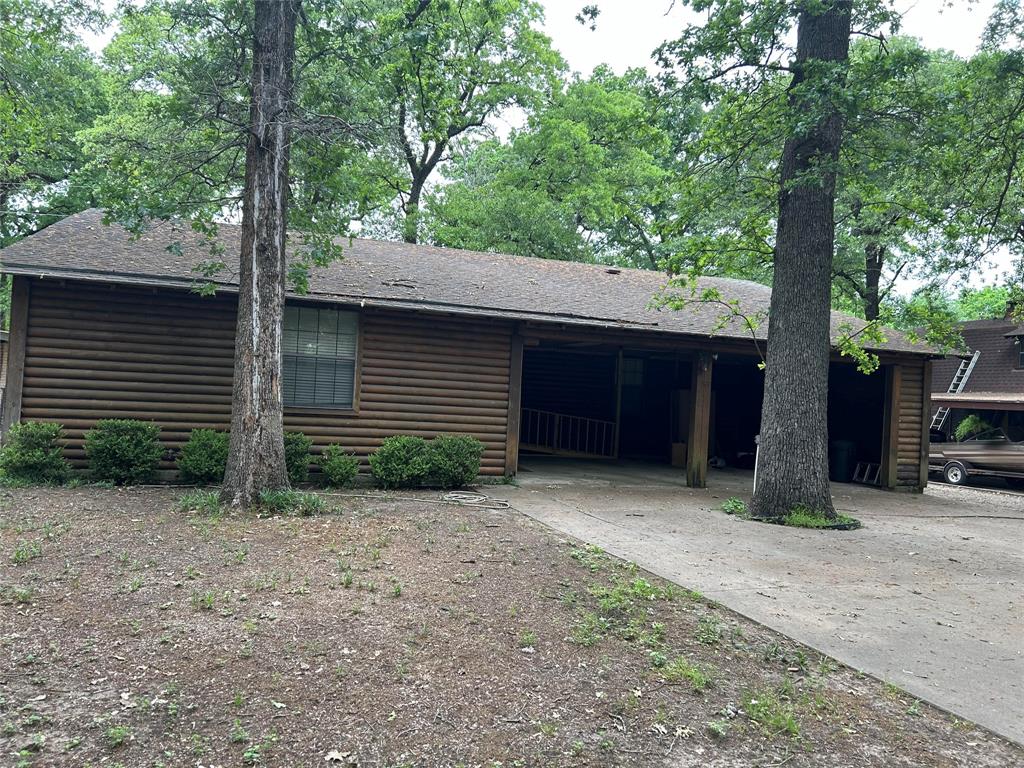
[(173, 141), (588, 178), (438, 72), (970, 426), (918, 185), (50, 88), (935, 316)]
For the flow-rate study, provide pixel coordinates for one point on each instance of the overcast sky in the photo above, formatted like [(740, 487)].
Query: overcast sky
[(628, 30)]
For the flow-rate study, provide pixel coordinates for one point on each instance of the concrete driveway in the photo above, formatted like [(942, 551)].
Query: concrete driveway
[(927, 595)]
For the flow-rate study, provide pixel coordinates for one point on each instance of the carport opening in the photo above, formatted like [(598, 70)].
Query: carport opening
[(574, 405), (856, 403), (595, 402), (737, 386)]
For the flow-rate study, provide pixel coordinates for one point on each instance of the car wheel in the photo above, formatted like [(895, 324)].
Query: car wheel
[(954, 473)]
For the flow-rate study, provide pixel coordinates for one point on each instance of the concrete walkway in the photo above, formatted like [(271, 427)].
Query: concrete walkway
[(928, 595)]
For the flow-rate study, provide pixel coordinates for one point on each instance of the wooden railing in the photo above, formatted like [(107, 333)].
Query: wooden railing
[(565, 435)]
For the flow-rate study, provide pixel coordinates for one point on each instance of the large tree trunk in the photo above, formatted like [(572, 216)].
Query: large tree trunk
[(793, 462), (874, 258), (411, 224), (256, 454)]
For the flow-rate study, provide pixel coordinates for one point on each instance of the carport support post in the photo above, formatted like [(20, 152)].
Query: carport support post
[(891, 426), (15, 355), (515, 402), (700, 421)]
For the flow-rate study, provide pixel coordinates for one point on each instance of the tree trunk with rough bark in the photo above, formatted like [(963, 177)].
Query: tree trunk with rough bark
[(874, 259), (793, 461), (411, 224), (256, 453)]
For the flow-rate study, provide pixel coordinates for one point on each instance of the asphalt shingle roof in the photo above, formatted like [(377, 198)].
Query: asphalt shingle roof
[(996, 369), (411, 276)]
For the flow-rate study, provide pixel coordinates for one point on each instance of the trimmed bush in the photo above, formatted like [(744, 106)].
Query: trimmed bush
[(454, 460), (204, 457), (339, 466), (296, 456), (32, 454), (401, 462), (123, 451)]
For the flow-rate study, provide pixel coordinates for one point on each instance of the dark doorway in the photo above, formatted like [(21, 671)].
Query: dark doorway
[(738, 389), (856, 402), (655, 400)]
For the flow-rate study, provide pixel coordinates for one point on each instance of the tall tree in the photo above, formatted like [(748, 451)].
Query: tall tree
[(209, 122), (927, 184), (441, 71), (588, 178), (741, 49), (256, 452), (794, 460), (50, 88)]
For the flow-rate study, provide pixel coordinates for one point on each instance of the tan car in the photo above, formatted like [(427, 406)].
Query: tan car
[(990, 453)]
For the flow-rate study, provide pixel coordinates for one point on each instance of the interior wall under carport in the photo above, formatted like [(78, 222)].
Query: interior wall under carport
[(603, 401)]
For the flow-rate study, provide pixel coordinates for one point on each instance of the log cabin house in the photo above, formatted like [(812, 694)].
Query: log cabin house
[(529, 355)]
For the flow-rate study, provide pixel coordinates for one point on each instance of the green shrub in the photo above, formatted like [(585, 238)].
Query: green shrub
[(32, 454), (123, 451), (401, 462), (339, 466), (454, 460), (204, 457), (296, 456), (970, 426)]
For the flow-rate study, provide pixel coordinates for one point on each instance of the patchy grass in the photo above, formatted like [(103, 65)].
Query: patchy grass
[(773, 710), (205, 502), (735, 506), (24, 551), (399, 633), (291, 502), (798, 517), (804, 517), (681, 670)]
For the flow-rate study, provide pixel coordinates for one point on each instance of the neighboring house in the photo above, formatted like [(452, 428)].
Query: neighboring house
[(525, 354), (987, 379)]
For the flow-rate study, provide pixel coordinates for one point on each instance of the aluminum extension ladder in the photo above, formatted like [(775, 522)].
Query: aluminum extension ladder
[(956, 386)]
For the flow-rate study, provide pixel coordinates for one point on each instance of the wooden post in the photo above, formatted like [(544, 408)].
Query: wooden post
[(891, 426), (618, 404), (926, 422), (15, 354), (700, 421), (515, 401)]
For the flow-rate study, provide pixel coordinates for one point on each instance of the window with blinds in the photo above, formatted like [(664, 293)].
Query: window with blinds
[(319, 357)]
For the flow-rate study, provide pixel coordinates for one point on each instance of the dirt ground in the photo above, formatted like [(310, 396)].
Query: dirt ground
[(398, 632)]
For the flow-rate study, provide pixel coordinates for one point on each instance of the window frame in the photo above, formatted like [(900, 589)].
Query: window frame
[(357, 361)]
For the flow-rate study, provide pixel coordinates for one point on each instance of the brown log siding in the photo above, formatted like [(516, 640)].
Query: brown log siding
[(94, 352), (909, 430)]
